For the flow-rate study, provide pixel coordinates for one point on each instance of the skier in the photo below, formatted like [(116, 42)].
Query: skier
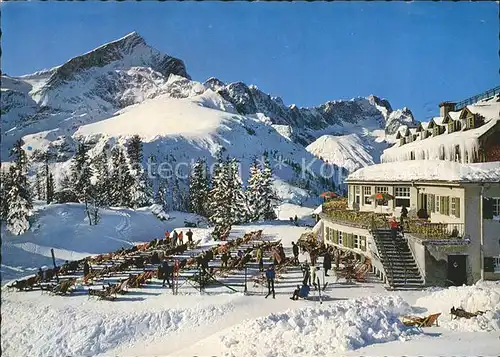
[(180, 237), (295, 249), (270, 275), (327, 262), (258, 257), (174, 239), (189, 234), (166, 273)]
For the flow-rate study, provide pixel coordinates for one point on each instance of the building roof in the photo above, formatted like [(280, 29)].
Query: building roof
[(431, 147), (427, 170)]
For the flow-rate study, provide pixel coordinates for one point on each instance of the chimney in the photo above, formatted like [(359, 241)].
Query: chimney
[(445, 108)]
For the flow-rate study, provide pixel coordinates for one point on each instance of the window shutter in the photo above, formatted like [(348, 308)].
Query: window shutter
[(487, 208), (350, 241), (447, 205), (457, 207), (335, 236), (362, 243)]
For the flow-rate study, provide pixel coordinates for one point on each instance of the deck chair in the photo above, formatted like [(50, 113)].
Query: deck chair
[(122, 287), (63, 287), (427, 321)]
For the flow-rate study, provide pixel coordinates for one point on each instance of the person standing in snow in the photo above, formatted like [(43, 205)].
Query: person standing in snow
[(180, 237), (270, 276), (296, 220), (295, 250), (306, 274), (86, 268), (327, 262), (313, 275), (166, 273), (189, 234), (174, 239)]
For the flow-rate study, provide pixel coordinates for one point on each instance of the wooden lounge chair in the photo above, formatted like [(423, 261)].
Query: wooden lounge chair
[(63, 287), (427, 321)]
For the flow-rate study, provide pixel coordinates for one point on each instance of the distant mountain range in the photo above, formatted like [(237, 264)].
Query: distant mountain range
[(48, 108)]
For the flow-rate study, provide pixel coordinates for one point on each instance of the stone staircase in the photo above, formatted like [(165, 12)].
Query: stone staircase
[(400, 267)]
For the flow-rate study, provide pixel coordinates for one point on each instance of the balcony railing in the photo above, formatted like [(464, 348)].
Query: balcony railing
[(358, 219), (435, 231), (416, 227)]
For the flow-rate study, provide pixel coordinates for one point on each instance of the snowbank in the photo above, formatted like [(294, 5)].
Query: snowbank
[(424, 170), (82, 327), (320, 331), (484, 296)]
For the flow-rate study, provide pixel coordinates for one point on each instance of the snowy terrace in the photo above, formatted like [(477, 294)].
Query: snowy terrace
[(444, 146)]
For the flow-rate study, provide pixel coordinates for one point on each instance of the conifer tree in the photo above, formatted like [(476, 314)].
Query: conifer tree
[(18, 197), (121, 181), (220, 204), (239, 204), (268, 194), (102, 179), (142, 193), (4, 189), (81, 175), (198, 188)]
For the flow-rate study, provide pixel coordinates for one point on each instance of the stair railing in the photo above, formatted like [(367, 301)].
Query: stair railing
[(375, 234)]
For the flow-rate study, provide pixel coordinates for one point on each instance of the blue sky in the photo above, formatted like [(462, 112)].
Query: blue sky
[(413, 54)]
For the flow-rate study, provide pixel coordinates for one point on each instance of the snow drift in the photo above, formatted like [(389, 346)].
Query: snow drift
[(483, 296), (320, 331)]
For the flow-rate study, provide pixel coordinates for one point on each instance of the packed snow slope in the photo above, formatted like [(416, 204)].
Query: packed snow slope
[(351, 151), (47, 108), (65, 228)]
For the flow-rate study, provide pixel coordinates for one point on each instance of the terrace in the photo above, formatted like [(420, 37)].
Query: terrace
[(337, 211)]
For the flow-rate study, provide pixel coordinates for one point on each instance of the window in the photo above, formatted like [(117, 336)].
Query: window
[(496, 207), (412, 155), (356, 241), (443, 205), (431, 199), (367, 192), (435, 131), (401, 141), (382, 189), (340, 238), (470, 122), (441, 153), (455, 206), (351, 194), (451, 125), (358, 194), (328, 234), (402, 195), (496, 262)]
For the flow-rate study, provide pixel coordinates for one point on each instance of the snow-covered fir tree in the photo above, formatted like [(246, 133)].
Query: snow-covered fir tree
[(269, 196), (239, 203), (121, 182), (199, 188), (102, 169), (4, 189), (18, 197), (260, 191), (142, 192), (220, 200), (81, 176)]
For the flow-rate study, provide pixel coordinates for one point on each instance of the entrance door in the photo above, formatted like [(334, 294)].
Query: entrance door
[(422, 207), (457, 269)]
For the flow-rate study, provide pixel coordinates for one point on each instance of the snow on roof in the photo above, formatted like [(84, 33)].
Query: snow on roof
[(455, 115), (444, 146), (426, 170)]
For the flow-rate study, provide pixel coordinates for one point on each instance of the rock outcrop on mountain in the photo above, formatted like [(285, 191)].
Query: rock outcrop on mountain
[(94, 86)]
